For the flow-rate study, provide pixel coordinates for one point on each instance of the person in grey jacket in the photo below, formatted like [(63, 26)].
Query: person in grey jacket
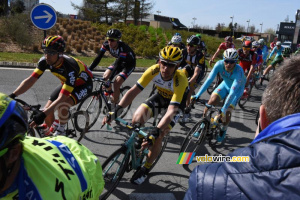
[(273, 170)]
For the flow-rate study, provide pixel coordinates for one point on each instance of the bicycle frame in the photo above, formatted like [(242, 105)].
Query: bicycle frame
[(130, 147)]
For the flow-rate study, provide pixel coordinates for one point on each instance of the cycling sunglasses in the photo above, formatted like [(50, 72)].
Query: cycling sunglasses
[(50, 52), (246, 48), (229, 61), (165, 64), (191, 45)]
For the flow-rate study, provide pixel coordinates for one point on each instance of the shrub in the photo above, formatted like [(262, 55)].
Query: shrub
[(78, 48)]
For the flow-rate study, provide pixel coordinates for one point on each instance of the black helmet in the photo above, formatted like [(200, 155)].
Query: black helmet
[(13, 121), (193, 40), (113, 34), (56, 43)]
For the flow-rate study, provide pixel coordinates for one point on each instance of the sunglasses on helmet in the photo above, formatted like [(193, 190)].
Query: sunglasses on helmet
[(229, 61)]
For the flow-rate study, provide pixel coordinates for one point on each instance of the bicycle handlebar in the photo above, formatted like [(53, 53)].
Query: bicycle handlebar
[(128, 125)]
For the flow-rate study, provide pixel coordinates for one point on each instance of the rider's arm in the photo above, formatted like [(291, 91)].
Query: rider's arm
[(210, 78), (168, 117), (62, 98), (130, 96), (98, 58), (216, 54), (25, 85), (271, 54)]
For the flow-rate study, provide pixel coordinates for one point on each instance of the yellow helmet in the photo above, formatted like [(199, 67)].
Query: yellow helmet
[(171, 54)]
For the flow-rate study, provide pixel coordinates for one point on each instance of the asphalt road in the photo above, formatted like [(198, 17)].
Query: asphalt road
[(168, 180)]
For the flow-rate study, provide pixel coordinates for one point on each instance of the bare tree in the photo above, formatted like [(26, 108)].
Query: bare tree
[(146, 7)]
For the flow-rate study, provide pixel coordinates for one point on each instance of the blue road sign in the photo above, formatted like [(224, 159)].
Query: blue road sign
[(43, 16)]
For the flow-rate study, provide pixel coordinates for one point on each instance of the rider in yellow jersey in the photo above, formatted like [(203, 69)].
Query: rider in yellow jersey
[(43, 168), (172, 86)]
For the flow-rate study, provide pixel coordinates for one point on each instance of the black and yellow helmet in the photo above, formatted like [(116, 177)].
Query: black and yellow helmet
[(171, 54), (56, 43)]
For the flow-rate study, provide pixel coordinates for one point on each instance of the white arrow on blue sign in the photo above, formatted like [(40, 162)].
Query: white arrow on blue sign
[(43, 16)]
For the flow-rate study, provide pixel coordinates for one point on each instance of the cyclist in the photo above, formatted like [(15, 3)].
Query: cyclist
[(265, 53), (259, 58), (201, 46), (232, 86), (176, 41), (193, 65), (124, 64), (224, 45), (43, 168), (76, 81), (278, 59), (248, 60), (172, 86), (273, 44)]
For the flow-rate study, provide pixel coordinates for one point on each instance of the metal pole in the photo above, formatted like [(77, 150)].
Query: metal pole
[(232, 25)]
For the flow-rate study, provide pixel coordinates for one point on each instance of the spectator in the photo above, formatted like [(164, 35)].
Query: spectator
[(274, 156)]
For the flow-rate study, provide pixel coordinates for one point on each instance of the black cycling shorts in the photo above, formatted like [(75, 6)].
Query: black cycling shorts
[(124, 71), (77, 94), (158, 105)]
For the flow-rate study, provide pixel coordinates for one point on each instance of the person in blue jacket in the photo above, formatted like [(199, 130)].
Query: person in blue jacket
[(273, 170)]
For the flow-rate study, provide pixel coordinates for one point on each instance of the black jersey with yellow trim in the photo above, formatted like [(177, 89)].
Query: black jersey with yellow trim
[(71, 72), (173, 89)]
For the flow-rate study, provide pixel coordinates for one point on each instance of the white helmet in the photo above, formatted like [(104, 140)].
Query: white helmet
[(176, 39), (278, 43), (261, 41), (231, 54)]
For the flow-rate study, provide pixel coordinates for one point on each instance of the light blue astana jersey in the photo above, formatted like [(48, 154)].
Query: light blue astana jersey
[(265, 52), (277, 51), (234, 80)]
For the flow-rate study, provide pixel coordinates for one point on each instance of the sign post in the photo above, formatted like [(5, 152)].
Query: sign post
[(43, 16)]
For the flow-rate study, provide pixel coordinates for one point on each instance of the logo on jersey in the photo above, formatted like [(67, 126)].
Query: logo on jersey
[(72, 78), (84, 76), (81, 94)]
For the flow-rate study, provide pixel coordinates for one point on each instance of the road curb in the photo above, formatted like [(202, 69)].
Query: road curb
[(34, 65)]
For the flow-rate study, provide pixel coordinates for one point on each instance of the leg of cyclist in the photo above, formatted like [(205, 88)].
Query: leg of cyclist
[(121, 78)]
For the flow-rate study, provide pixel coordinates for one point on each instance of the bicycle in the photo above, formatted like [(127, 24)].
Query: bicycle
[(207, 127), (127, 158), (92, 103), (254, 79), (78, 122)]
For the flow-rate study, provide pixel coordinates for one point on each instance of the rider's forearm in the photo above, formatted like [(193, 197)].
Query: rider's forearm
[(168, 117), (25, 85), (215, 55), (129, 96), (62, 98)]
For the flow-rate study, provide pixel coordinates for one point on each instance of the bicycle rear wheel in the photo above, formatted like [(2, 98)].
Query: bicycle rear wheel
[(192, 143), (92, 104), (122, 93), (113, 170)]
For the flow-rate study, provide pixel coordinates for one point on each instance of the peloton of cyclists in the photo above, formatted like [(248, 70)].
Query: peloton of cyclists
[(193, 65), (76, 81), (172, 87), (123, 66), (231, 88)]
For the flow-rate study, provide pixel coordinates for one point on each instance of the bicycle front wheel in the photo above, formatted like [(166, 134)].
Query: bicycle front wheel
[(77, 125), (195, 137), (113, 170), (164, 145), (122, 93), (92, 104)]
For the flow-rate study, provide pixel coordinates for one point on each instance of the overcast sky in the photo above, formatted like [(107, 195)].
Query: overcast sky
[(211, 12)]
